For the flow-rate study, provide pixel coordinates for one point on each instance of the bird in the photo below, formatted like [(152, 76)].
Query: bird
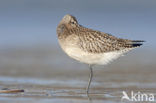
[(89, 46)]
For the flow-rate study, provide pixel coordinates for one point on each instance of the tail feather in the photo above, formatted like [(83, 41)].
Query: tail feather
[(135, 43), (138, 41)]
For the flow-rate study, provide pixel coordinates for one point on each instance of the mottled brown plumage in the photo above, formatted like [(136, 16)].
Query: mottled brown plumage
[(91, 46), (91, 40)]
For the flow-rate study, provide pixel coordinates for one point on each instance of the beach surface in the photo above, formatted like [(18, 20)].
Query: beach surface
[(47, 75)]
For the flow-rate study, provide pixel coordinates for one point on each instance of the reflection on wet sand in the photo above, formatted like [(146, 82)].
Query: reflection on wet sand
[(49, 76)]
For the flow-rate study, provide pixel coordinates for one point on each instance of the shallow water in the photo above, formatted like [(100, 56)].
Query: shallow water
[(49, 76), (45, 90)]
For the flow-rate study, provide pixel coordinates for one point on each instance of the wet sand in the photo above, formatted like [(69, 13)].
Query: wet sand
[(48, 76)]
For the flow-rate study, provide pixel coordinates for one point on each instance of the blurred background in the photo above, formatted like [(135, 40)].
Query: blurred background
[(29, 46), (31, 58)]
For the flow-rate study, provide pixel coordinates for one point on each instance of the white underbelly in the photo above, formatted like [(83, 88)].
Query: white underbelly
[(93, 58)]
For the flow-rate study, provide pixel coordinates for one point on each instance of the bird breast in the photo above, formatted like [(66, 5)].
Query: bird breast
[(71, 48)]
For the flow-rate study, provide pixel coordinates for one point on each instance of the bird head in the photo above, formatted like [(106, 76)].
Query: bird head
[(70, 21)]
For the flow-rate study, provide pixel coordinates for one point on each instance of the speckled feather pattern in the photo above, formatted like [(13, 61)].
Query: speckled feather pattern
[(93, 41), (98, 42), (91, 46)]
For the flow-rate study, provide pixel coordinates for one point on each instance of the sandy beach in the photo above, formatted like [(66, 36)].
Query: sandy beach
[(47, 75)]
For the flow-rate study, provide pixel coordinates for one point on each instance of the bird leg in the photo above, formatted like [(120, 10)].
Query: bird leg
[(90, 78)]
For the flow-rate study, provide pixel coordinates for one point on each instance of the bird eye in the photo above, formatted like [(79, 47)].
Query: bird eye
[(73, 22)]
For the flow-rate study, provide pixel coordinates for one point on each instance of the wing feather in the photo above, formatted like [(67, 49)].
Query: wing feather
[(99, 42)]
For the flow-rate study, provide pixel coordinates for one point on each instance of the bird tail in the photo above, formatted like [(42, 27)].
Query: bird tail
[(135, 43)]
